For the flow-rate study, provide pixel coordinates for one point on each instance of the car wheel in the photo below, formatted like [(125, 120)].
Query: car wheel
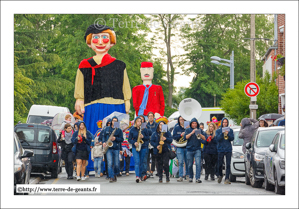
[(247, 180), (253, 182), (278, 189), (268, 186), (232, 178), (54, 173)]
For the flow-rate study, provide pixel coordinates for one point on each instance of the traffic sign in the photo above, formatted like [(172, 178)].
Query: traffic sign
[(252, 89), (253, 107)]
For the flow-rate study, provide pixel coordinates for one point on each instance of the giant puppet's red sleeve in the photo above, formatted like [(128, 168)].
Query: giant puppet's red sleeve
[(137, 97), (162, 102)]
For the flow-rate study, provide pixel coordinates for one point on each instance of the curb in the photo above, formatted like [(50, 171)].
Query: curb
[(35, 181)]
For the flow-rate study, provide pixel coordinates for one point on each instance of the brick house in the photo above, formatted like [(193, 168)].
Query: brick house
[(278, 48)]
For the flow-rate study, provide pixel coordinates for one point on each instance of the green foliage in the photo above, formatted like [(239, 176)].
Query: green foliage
[(168, 111), (236, 104), (219, 35), (50, 47)]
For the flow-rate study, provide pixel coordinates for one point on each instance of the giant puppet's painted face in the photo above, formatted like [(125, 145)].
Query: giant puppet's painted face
[(147, 73), (100, 43)]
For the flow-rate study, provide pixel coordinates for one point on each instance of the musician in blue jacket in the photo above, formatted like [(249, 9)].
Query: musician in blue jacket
[(145, 158), (151, 127), (139, 155), (178, 132), (194, 148), (162, 158), (224, 148), (113, 151)]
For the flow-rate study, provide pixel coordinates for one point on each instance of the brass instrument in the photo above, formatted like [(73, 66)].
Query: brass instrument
[(161, 142), (139, 141), (180, 143), (198, 136), (109, 142), (225, 136)]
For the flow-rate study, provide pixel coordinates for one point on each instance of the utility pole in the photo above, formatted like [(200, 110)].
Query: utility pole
[(214, 100), (252, 61)]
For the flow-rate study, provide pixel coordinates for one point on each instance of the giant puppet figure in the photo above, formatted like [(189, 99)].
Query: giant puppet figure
[(148, 97), (102, 85)]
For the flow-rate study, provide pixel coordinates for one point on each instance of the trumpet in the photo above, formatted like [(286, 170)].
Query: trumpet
[(198, 136), (225, 136)]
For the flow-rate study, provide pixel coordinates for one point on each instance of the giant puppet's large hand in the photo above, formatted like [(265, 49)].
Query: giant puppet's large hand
[(79, 106)]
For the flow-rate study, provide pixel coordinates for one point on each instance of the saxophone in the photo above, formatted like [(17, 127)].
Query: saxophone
[(161, 142), (109, 143), (139, 141)]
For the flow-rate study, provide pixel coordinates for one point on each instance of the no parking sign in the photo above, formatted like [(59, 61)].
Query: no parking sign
[(252, 89)]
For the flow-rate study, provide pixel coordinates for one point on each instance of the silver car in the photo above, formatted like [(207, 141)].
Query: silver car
[(274, 164), (237, 166)]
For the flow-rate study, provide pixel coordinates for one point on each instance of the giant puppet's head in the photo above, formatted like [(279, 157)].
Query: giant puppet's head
[(147, 72), (100, 38)]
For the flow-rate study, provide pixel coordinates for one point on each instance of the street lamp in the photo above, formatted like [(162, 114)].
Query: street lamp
[(215, 60)]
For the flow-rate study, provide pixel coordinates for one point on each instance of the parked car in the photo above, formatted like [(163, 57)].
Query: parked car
[(274, 164), (43, 141), (22, 164), (237, 166), (40, 113), (255, 153)]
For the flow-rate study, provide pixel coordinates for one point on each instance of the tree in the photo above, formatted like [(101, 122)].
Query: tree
[(219, 35), (236, 104), (34, 76), (169, 23)]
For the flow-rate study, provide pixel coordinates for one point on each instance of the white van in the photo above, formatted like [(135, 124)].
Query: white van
[(40, 113), (206, 115)]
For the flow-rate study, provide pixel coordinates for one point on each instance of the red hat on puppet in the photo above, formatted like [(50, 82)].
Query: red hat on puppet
[(146, 64)]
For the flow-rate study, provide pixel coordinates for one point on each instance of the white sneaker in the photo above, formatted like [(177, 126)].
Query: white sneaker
[(83, 178), (78, 178), (96, 175)]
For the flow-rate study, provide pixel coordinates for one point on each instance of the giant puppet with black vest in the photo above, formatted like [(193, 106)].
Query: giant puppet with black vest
[(102, 84)]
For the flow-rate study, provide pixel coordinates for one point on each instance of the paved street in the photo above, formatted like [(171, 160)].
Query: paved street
[(127, 185)]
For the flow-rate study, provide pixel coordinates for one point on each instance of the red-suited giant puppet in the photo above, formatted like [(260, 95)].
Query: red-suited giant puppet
[(148, 97)]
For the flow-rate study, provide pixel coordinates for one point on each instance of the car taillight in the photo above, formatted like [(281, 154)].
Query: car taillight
[(30, 126), (54, 151)]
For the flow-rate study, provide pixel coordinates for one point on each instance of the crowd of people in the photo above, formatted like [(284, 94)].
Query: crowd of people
[(150, 148)]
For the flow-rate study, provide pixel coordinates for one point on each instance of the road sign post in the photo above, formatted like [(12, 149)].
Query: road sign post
[(252, 89)]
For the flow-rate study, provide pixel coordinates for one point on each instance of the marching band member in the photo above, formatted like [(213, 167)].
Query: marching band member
[(194, 148), (210, 152), (113, 152), (224, 148), (108, 123), (138, 155), (178, 133), (162, 158), (151, 126), (145, 159)]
